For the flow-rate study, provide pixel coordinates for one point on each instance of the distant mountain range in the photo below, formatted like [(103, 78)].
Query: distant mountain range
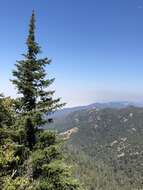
[(98, 105)]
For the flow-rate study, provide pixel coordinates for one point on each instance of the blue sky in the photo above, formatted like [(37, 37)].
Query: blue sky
[(96, 46)]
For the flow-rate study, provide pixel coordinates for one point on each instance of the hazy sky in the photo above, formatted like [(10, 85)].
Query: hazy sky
[(96, 46)]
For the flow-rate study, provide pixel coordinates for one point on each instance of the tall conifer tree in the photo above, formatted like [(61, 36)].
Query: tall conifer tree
[(30, 77), (31, 82), (43, 168)]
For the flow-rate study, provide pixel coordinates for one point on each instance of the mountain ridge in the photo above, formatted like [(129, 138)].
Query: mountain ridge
[(98, 105)]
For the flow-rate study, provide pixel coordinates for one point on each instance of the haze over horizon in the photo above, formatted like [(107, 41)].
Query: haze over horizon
[(96, 47)]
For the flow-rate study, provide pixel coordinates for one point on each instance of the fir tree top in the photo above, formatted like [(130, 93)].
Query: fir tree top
[(33, 48)]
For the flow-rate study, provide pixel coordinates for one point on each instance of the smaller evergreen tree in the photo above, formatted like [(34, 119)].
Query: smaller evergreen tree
[(6, 111)]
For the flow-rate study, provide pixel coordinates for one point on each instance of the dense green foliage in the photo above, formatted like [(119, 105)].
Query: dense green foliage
[(31, 157)]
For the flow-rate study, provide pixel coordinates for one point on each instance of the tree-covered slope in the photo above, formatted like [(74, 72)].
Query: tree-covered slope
[(111, 136)]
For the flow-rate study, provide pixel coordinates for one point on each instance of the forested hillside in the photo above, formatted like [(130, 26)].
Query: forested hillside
[(107, 146)]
